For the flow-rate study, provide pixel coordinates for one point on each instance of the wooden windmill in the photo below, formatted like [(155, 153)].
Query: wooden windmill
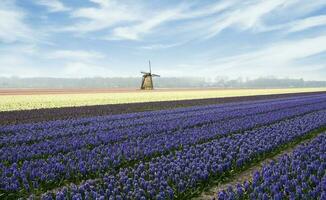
[(147, 82)]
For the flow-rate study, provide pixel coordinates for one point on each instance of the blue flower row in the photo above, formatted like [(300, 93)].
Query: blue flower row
[(300, 175), (49, 148), (84, 163), (176, 174), (29, 133)]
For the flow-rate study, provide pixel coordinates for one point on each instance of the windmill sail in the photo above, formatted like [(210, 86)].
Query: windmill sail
[(150, 67)]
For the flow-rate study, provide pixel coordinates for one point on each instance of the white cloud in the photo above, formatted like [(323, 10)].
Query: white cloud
[(12, 25), (107, 14), (129, 21), (104, 3), (78, 63), (163, 27), (81, 69), (15, 60), (261, 16), (279, 59), (53, 5), (124, 20), (15, 65), (307, 23), (210, 9), (134, 32), (75, 55), (245, 16), (158, 18), (297, 25), (32, 61), (161, 46)]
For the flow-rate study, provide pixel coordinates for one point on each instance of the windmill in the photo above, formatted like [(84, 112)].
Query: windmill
[(147, 82)]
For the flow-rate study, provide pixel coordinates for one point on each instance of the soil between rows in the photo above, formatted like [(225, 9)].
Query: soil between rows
[(39, 115)]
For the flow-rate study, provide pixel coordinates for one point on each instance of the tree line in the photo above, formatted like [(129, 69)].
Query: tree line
[(163, 82)]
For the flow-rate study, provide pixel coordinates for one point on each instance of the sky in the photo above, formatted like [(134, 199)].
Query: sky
[(204, 38)]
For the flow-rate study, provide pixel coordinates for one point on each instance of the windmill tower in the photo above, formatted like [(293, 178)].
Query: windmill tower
[(147, 82)]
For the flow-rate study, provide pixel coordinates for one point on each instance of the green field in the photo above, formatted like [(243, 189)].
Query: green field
[(26, 102)]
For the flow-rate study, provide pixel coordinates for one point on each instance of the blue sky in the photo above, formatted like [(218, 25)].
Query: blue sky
[(231, 38)]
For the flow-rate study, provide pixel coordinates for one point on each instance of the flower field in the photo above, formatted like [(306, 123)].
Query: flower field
[(27, 102), (301, 175), (168, 154)]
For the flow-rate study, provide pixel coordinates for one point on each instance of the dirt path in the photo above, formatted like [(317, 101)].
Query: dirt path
[(245, 175)]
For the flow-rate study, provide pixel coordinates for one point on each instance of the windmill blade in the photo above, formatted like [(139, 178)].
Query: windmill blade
[(156, 75), (150, 67), (144, 72)]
